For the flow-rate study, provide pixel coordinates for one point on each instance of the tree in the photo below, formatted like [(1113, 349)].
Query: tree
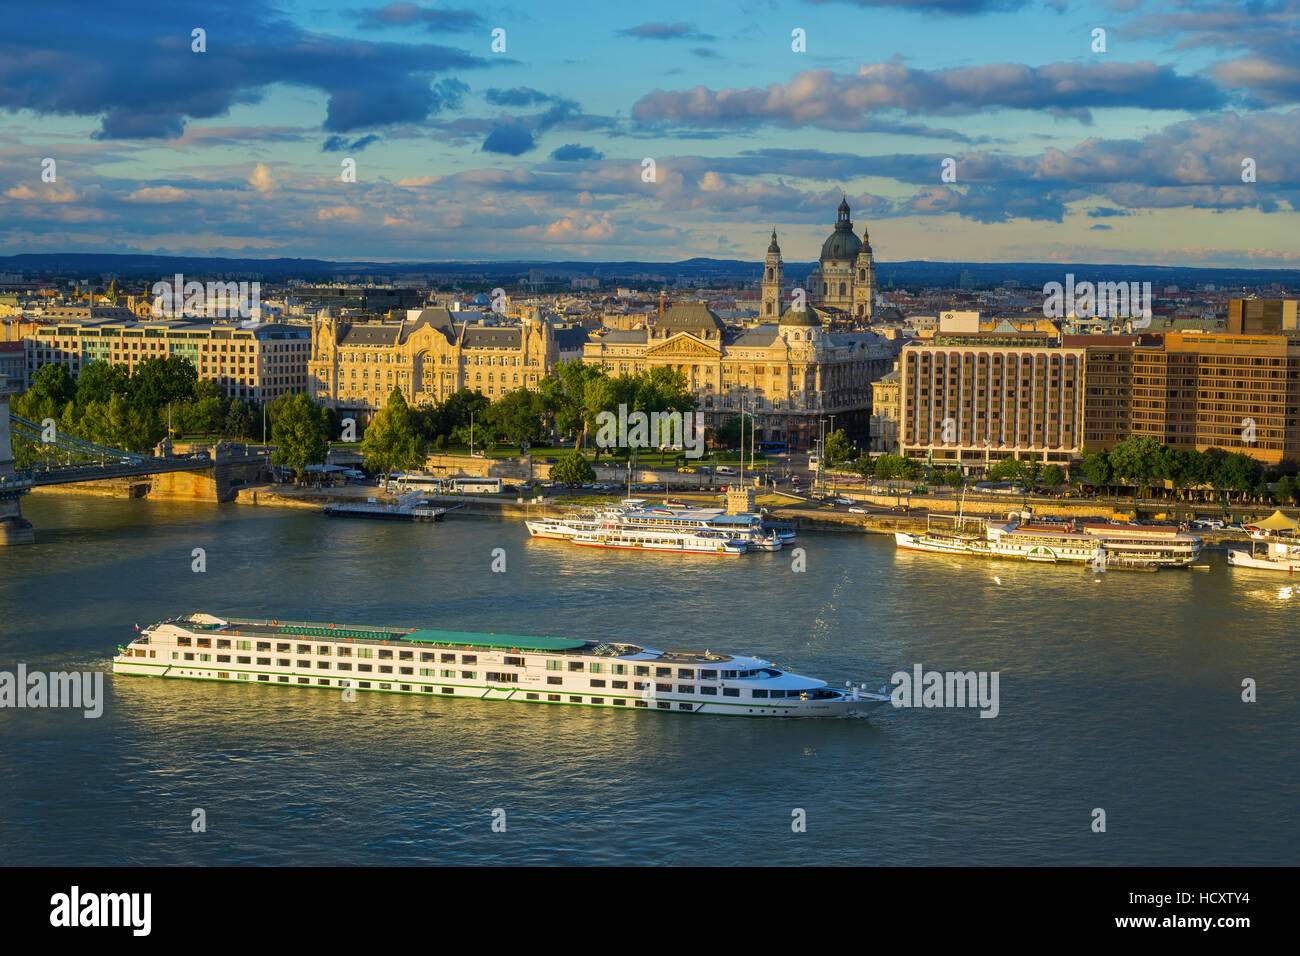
[(728, 433), (1053, 476), (1096, 468), (1284, 492), (100, 381), (158, 382), (299, 433), (565, 394), (53, 382), (838, 448), (239, 419), (1008, 469), (573, 469), (390, 441), (519, 417), (865, 466)]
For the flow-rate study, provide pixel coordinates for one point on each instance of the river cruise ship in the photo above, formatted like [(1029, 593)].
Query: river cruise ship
[(633, 524), (1099, 544), (498, 667)]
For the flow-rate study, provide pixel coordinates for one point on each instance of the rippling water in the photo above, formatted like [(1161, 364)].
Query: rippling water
[(1119, 691)]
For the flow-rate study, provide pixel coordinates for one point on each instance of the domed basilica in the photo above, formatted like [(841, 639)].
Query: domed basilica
[(841, 285)]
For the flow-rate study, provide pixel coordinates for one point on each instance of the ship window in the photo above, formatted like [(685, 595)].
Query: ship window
[(222, 643), (263, 677), (685, 672), (638, 685), (239, 660), (385, 686), (663, 672), (304, 663), (207, 642), (264, 661), (466, 675), (223, 675), (283, 680), (642, 671), (552, 696), (708, 675), (322, 649), (575, 700), (594, 668), (685, 706), (728, 673), (619, 669), (427, 657), (175, 655), (447, 658), (282, 648), (619, 684), (469, 658), (406, 670), (365, 652), (183, 642), (555, 680), (575, 665), (449, 690), (642, 703), (385, 655), (685, 689), (364, 683), (711, 691), (345, 652), (406, 655), (532, 696), (367, 668), (597, 683), (304, 648), (618, 703), (447, 672), (221, 658), (758, 693), (261, 645), (730, 692), (514, 661), (664, 705), (304, 680), (427, 689), (345, 667), (323, 681), (598, 700), (406, 687), (385, 668), (666, 688)]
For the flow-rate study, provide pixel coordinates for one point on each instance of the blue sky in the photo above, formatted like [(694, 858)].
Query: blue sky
[(1061, 152)]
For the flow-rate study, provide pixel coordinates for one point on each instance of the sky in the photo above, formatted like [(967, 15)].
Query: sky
[(526, 131)]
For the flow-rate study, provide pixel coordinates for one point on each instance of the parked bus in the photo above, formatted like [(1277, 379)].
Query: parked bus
[(476, 486), (772, 447), (418, 482)]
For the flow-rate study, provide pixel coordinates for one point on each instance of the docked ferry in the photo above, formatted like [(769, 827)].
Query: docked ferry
[(1277, 554), (635, 525), (1100, 544), (504, 667)]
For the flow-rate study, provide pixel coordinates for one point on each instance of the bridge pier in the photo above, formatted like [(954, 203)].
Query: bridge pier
[(14, 528)]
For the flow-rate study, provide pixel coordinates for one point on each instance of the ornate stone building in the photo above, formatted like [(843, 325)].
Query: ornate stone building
[(428, 355), (790, 373)]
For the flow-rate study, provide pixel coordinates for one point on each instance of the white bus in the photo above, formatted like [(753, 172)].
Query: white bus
[(418, 482), (476, 486)]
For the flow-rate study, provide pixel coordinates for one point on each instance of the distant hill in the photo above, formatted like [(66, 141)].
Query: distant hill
[(151, 268)]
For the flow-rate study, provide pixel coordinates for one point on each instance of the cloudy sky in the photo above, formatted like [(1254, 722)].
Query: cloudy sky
[(1061, 152)]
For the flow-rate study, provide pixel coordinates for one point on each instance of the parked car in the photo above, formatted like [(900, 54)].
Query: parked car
[(844, 501), (858, 510), (686, 470)]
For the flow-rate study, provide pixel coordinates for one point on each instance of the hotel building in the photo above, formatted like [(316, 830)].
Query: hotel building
[(255, 362)]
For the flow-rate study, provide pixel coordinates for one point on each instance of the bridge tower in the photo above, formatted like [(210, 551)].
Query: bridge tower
[(14, 528)]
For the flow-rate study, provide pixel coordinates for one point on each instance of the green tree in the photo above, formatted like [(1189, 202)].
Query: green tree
[(239, 419), (299, 433), (1284, 492), (838, 448), (158, 382), (519, 417), (573, 469), (100, 381), (1007, 469), (865, 466), (391, 441), (565, 394), (1096, 468), (1053, 476), (53, 382)]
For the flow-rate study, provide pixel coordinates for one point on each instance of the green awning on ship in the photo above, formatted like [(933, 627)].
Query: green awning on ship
[(427, 635)]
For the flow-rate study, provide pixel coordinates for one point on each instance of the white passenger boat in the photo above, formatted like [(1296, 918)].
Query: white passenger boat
[(1277, 554), (1100, 544), (661, 528), (500, 667)]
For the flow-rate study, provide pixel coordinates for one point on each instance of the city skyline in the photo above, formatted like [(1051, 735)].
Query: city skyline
[(1132, 155)]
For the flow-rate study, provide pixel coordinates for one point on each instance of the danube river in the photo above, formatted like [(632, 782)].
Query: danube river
[(1119, 691)]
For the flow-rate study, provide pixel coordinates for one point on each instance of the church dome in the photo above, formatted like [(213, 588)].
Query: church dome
[(842, 244), (773, 247), (805, 318)]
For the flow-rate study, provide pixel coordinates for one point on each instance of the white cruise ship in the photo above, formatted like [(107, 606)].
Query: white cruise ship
[(503, 667), (663, 528), (1099, 543), (1277, 554)]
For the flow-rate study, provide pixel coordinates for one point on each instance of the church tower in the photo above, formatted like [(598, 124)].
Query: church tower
[(773, 282), (864, 282)]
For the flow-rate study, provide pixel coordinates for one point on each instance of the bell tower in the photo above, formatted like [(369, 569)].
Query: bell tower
[(773, 281), (864, 281)]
